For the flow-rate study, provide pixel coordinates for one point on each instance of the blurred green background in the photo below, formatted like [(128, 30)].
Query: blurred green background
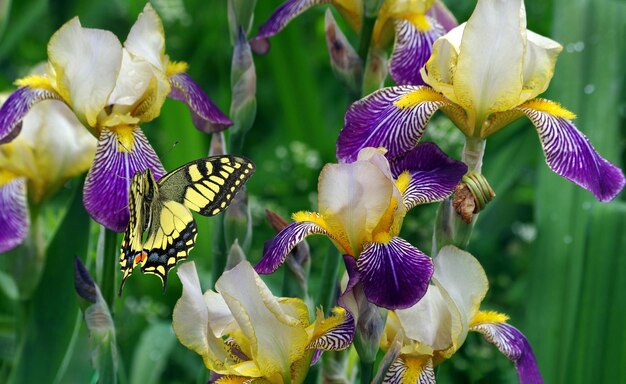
[(554, 256)]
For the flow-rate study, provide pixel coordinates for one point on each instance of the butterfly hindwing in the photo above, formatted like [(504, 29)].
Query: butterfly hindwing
[(208, 185), (171, 236)]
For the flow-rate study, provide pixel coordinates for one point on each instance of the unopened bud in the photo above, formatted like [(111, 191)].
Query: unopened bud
[(471, 196), (235, 256), (243, 84), (375, 71), (344, 60)]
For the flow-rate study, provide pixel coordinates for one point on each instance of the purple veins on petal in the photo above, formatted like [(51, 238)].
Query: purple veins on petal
[(16, 107), (287, 11), (107, 185), (411, 51), (433, 174), (395, 275), (14, 219), (337, 338), (276, 250), (514, 345), (569, 154), (206, 116), (377, 121)]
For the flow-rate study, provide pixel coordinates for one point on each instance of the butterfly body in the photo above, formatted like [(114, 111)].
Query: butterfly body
[(161, 230)]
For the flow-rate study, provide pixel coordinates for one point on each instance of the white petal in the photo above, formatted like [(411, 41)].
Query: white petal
[(464, 281), (86, 62), (488, 75), (354, 197), (276, 339), (221, 319), (132, 82), (432, 321), (191, 316), (146, 38), (440, 68), (539, 61)]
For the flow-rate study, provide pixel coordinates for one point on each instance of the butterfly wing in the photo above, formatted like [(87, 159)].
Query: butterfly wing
[(207, 185), (139, 208), (171, 236)]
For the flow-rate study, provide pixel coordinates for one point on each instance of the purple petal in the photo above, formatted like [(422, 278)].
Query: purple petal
[(570, 154), (108, 181), (289, 10), (16, 107), (14, 219), (206, 116), (438, 11), (433, 174), (337, 338), (411, 51), (276, 250), (376, 121), (514, 345), (394, 275)]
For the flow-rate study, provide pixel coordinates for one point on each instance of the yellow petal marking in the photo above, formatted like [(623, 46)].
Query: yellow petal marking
[(35, 81), (324, 325), (334, 232), (232, 380), (382, 237), (488, 317), (402, 183), (414, 366), (418, 20), (176, 67), (6, 176), (418, 96), (125, 137), (549, 107)]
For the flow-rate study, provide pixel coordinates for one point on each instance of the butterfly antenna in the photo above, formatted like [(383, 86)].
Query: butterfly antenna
[(171, 148), (119, 294)]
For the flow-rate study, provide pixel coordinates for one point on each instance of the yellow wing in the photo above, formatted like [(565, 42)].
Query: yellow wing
[(171, 236)]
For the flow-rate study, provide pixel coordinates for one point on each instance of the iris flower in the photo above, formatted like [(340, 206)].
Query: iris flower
[(483, 75), (361, 208), (436, 327), (51, 148), (112, 89), (245, 334), (416, 24)]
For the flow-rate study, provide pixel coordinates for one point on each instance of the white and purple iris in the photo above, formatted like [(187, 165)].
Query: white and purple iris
[(433, 330), (361, 208), (51, 148), (112, 89), (483, 75), (416, 24), (245, 334)]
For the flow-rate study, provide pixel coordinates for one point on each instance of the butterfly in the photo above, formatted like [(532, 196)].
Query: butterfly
[(162, 208)]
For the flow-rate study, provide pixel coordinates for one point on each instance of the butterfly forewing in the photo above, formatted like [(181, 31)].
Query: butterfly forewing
[(208, 185)]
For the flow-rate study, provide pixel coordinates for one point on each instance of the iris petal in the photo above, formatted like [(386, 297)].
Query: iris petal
[(17, 106), (206, 116), (283, 15), (118, 157), (394, 118), (407, 369), (411, 51), (569, 153), (514, 345), (276, 250), (146, 38), (86, 63), (433, 174), (339, 336), (394, 275), (14, 219)]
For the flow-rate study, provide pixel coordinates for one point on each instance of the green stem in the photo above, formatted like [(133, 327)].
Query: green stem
[(110, 249), (328, 287), (366, 37), (449, 227), (367, 371), (220, 252)]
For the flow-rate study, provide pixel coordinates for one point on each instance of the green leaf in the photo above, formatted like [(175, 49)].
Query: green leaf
[(50, 314), (152, 354), (575, 235)]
